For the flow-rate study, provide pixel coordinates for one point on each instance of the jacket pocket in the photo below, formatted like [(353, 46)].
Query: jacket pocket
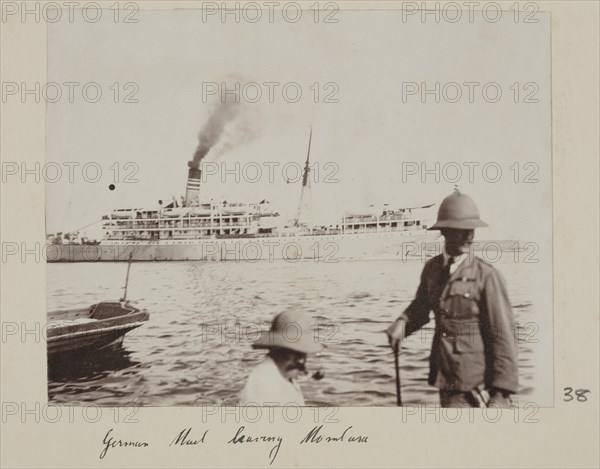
[(461, 301), (463, 336)]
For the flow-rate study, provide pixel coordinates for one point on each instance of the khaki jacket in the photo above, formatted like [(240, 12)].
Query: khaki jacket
[(474, 341)]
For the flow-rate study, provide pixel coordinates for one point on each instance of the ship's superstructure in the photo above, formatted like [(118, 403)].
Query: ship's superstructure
[(239, 220)]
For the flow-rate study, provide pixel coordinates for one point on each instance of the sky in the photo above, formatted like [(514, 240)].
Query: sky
[(370, 145)]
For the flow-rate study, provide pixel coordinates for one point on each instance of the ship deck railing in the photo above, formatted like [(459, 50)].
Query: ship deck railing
[(308, 232), (390, 229), (206, 216), (177, 226), (386, 218)]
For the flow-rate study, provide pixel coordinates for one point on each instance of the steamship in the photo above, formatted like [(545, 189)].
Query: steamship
[(209, 231)]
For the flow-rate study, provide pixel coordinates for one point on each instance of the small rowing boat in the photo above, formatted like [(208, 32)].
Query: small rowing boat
[(90, 329), (102, 325)]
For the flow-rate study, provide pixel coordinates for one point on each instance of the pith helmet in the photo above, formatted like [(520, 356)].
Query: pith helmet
[(291, 330), (458, 211)]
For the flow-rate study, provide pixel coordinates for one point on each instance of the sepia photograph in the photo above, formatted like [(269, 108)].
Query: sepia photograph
[(331, 218)]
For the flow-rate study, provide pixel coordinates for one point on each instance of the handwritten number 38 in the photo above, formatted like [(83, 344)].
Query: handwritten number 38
[(580, 393)]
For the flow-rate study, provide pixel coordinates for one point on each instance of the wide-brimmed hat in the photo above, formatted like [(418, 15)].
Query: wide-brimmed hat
[(290, 330), (458, 211)]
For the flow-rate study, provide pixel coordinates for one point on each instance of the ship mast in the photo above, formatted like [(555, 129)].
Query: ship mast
[(305, 179)]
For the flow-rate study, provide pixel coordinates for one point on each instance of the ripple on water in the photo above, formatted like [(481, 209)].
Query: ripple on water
[(176, 359)]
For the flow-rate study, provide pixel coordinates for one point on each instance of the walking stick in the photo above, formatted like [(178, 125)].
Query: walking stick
[(397, 363), (127, 278)]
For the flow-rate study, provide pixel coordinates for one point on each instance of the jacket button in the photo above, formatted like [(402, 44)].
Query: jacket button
[(467, 295), (444, 334)]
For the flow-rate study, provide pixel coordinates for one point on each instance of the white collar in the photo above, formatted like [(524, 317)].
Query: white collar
[(457, 260)]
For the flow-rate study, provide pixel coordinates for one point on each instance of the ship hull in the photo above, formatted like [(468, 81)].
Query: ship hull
[(325, 248)]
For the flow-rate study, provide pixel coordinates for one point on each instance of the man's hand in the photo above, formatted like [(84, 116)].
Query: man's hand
[(396, 333)]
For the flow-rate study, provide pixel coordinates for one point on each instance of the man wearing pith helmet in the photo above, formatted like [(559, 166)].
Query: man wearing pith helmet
[(473, 358), (273, 381)]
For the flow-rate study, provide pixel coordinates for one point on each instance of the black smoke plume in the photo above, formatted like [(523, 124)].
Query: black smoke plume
[(210, 134)]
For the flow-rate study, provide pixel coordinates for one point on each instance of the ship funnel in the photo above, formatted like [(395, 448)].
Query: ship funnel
[(192, 190)]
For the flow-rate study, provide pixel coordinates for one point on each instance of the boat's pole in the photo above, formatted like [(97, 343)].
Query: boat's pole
[(397, 366), (127, 278)]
